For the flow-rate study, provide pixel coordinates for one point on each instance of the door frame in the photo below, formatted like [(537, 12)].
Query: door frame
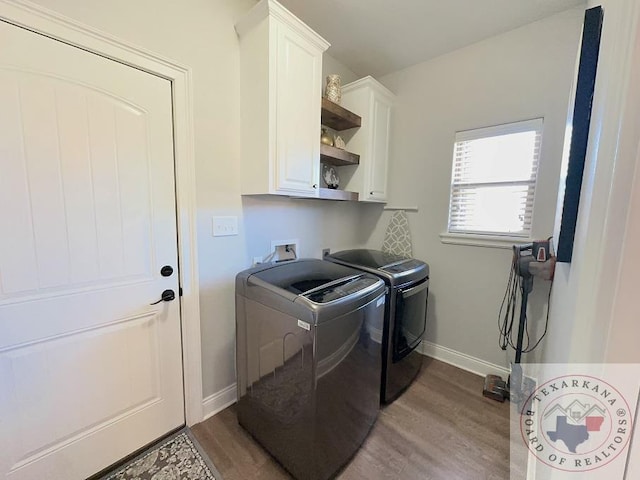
[(51, 24)]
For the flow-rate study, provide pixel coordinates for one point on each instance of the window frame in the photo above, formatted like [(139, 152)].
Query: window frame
[(486, 237)]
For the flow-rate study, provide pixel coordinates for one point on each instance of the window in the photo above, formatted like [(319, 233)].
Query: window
[(494, 179)]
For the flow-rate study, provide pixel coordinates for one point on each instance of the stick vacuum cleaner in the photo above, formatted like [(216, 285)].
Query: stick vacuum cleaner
[(529, 260)]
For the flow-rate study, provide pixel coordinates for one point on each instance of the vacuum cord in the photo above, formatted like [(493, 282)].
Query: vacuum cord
[(508, 305), (507, 313)]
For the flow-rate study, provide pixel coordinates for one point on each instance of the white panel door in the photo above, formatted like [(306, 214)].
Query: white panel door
[(298, 71), (89, 371)]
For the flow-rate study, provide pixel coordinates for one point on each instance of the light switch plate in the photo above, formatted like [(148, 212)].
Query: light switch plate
[(225, 226)]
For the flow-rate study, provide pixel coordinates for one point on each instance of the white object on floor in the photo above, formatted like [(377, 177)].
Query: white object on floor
[(397, 238)]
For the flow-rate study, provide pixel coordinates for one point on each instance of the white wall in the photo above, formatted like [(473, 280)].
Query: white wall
[(595, 304), (200, 34), (624, 330), (523, 74), (594, 295)]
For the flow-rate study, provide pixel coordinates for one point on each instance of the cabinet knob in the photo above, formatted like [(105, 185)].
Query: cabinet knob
[(370, 193), (315, 185)]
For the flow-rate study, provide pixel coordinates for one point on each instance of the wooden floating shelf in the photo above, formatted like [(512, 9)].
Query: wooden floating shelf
[(337, 117), (337, 156), (335, 194)]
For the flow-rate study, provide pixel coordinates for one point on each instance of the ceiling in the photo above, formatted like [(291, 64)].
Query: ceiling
[(376, 37)]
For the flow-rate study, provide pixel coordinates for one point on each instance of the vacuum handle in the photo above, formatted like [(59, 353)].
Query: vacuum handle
[(522, 248)]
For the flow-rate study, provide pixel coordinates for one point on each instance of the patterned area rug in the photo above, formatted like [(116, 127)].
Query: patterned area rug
[(178, 457)]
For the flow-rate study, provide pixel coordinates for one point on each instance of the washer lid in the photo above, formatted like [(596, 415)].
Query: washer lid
[(312, 290), (300, 276), (311, 279), (368, 258), (393, 268), (344, 287)]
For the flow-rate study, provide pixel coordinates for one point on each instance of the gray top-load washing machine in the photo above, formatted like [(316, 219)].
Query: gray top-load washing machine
[(405, 322), (308, 361)]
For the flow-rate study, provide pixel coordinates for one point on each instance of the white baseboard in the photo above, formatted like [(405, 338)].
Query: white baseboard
[(462, 360), (219, 401)]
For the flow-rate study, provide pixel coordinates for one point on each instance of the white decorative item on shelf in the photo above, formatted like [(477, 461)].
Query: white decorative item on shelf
[(333, 90), (331, 178), (338, 142)]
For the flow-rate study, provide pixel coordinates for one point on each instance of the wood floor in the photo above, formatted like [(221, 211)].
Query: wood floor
[(441, 428)]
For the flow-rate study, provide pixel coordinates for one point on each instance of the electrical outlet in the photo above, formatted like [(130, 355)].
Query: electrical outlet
[(225, 226), (325, 252)]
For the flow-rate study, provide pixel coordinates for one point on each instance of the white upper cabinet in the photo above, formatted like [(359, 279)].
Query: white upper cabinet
[(281, 75), (373, 102)]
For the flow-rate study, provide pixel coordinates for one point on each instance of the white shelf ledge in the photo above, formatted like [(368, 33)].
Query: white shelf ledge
[(406, 209)]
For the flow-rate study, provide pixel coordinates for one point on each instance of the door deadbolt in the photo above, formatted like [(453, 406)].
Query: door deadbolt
[(166, 271)]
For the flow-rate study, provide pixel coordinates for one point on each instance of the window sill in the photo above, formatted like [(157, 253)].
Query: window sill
[(490, 241)]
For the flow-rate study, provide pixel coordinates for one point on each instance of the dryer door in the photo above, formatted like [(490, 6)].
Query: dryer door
[(410, 318)]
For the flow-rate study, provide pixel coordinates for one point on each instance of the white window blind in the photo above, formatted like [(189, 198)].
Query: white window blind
[(494, 179)]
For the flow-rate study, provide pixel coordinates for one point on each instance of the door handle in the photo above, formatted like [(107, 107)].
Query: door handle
[(166, 296)]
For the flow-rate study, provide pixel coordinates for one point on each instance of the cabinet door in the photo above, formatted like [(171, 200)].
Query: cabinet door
[(298, 72), (377, 174)]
